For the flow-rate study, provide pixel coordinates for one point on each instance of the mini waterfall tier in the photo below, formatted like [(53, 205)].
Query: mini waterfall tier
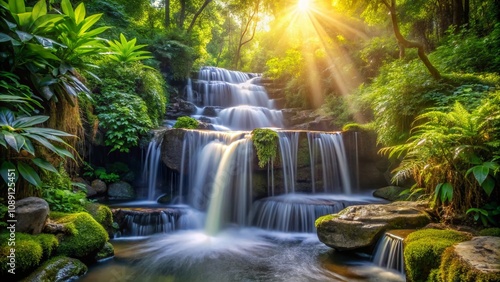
[(298, 212), (232, 100), (148, 221), (389, 250)]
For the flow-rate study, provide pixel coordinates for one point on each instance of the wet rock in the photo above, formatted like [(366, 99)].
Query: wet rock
[(205, 126), (171, 151), (31, 215), (99, 186), (474, 260), (178, 108), (358, 227), (121, 190), (210, 111), (106, 252), (58, 269), (390, 193)]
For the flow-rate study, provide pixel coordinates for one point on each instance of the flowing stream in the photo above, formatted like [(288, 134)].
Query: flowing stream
[(218, 227)]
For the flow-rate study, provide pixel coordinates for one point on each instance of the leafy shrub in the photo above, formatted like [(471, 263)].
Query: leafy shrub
[(495, 231), (186, 123), (59, 194), (125, 117), (126, 51), (101, 173), (423, 250), (265, 142)]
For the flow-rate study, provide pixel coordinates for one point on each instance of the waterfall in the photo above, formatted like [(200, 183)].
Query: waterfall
[(389, 250), (327, 149), (245, 104), (288, 144), (151, 165), (231, 194)]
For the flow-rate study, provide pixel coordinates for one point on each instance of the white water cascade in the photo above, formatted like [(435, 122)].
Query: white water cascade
[(389, 251), (242, 104)]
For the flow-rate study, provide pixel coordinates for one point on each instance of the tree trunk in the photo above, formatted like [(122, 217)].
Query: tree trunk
[(200, 10), (182, 14), (167, 13), (244, 32), (404, 43)]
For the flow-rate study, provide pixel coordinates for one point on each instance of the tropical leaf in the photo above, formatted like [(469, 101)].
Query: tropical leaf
[(5, 169), (45, 165), (29, 174)]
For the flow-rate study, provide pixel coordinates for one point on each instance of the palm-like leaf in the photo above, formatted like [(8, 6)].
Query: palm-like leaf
[(125, 51)]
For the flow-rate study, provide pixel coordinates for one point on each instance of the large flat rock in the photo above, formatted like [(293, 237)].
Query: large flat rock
[(358, 227)]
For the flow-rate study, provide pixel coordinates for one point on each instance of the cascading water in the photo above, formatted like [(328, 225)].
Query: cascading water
[(389, 250), (245, 104), (151, 165), (328, 151), (232, 235)]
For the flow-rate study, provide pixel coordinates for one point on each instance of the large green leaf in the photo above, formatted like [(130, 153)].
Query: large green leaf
[(17, 6), (45, 165), (5, 169), (488, 185), (29, 174), (67, 8), (11, 140), (80, 13), (480, 173), (444, 191), (29, 121), (5, 38), (39, 9)]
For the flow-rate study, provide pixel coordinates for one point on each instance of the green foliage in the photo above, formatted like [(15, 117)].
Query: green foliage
[(453, 155), (86, 236), (17, 97), (17, 133), (186, 123), (465, 51), (175, 56), (124, 117), (59, 194), (495, 231), (423, 250), (338, 108), (124, 51), (3, 212), (76, 33), (265, 142), (489, 214), (101, 173)]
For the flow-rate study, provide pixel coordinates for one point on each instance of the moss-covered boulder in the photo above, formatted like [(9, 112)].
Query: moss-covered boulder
[(495, 231), (106, 252), (423, 250), (475, 260), (85, 236), (357, 227), (29, 252), (58, 269), (103, 215)]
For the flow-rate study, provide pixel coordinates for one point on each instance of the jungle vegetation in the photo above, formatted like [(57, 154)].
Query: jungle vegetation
[(424, 75)]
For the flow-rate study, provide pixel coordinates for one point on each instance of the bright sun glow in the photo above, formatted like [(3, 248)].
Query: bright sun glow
[(303, 5)]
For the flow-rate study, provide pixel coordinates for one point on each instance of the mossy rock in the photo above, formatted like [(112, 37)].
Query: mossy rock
[(103, 215), (28, 255), (58, 269), (476, 260), (423, 250), (495, 231), (106, 252), (86, 236)]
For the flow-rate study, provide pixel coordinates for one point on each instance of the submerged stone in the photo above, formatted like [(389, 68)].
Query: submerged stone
[(58, 269)]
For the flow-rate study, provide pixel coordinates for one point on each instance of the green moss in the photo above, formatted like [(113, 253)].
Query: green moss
[(490, 232), (58, 269), (186, 122), (28, 254), (86, 236), (452, 269), (106, 252), (327, 217), (423, 250), (102, 214), (265, 142), (48, 242)]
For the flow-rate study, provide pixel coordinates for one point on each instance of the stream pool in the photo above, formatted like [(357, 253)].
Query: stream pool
[(242, 254)]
